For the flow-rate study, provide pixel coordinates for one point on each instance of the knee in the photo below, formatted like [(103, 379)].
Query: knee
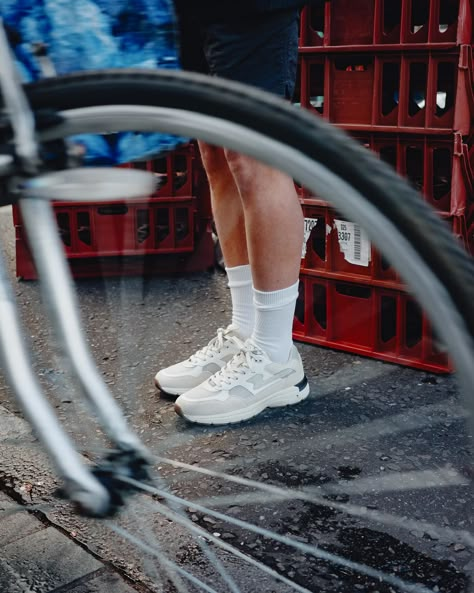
[(213, 159), (244, 169)]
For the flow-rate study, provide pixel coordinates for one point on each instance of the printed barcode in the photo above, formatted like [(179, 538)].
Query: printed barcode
[(357, 243)]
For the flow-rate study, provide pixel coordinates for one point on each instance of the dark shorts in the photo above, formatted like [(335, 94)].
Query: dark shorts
[(261, 51)]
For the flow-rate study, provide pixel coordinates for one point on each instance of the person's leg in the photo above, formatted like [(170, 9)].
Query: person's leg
[(264, 53), (228, 214), (226, 206), (249, 201), (274, 232), (268, 371)]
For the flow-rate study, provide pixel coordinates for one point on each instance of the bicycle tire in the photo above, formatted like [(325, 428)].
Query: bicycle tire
[(325, 143)]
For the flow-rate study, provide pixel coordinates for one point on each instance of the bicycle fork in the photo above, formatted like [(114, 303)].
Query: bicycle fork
[(82, 487), (99, 491)]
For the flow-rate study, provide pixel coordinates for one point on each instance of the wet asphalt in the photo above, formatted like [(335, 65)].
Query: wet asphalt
[(381, 451)]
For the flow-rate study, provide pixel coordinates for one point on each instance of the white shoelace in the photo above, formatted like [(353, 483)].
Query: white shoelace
[(239, 365), (214, 346)]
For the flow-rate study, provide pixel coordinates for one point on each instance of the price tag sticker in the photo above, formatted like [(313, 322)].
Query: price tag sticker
[(353, 242), (309, 224)]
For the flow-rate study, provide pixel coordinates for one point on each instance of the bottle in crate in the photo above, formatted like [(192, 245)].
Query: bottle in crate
[(413, 91), (348, 23)]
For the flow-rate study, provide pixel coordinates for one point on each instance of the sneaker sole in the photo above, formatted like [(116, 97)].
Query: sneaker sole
[(287, 397)]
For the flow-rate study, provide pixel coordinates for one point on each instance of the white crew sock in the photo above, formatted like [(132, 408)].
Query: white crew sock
[(274, 312), (241, 292)]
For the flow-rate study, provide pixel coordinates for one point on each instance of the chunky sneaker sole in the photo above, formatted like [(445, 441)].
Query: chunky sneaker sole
[(287, 397), (190, 373), (246, 386)]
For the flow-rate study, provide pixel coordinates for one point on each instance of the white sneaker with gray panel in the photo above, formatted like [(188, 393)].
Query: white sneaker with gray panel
[(244, 387), (190, 373)]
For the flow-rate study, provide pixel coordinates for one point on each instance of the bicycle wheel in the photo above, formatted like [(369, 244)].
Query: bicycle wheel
[(318, 156)]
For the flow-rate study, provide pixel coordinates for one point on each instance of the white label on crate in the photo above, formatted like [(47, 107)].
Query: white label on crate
[(353, 243), (309, 224)]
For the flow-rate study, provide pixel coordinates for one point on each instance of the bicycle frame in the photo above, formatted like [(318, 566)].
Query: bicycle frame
[(33, 193)]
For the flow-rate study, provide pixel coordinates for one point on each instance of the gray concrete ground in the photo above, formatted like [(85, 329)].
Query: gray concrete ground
[(383, 447), (40, 558)]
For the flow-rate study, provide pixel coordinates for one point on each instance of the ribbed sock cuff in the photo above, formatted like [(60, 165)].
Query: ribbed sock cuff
[(241, 290), (274, 312), (239, 276), (277, 299)]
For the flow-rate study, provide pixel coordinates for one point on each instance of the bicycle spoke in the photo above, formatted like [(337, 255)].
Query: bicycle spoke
[(413, 420), (305, 548), (151, 564), (169, 564), (391, 482), (178, 512), (442, 477), (314, 495), (229, 548), (178, 518)]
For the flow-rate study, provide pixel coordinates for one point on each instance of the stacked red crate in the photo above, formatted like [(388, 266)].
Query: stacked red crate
[(398, 76), (165, 233), (344, 23)]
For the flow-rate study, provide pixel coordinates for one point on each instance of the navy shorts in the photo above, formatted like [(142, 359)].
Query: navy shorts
[(261, 51)]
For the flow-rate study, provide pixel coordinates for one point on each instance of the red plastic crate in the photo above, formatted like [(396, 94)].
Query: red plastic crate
[(424, 92), (439, 168), (110, 238), (179, 174), (366, 320), (200, 259), (176, 173), (339, 23), (150, 226), (167, 242), (462, 229), (339, 250)]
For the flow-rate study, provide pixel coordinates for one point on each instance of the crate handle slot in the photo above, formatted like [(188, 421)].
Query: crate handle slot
[(112, 209)]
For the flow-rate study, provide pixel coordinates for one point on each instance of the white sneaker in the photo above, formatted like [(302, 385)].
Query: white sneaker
[(244, 387), (197, 368)]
